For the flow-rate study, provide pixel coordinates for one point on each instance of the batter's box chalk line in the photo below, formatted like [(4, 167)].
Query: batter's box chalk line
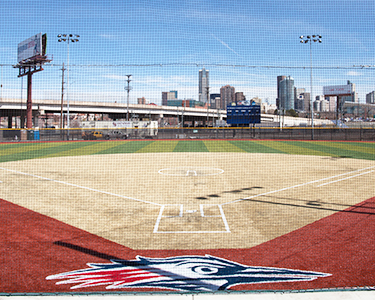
[(180, 213), (191, 171)]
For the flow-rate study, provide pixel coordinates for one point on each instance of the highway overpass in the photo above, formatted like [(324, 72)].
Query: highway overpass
[(16, 107)]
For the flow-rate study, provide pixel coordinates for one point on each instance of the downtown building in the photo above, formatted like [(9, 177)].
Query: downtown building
[(204, 92), (279, 79), (370, 98), (302, 100), (168, 96), (285, 92), (227, 96)]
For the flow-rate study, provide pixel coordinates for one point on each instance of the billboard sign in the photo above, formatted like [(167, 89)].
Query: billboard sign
[(32, 47), (338, 90)]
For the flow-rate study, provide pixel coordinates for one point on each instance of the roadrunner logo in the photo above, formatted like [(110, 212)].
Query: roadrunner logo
[(180, 273)]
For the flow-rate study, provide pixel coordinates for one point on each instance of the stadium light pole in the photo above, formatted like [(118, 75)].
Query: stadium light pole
[(68, 38), (304, 40), (128, 88)]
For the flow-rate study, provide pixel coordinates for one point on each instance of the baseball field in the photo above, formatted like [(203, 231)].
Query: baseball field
[(129, 216)]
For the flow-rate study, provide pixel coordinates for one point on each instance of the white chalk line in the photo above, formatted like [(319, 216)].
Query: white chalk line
[(160, 216), (191, 171), (79, 186), (346, 178), (156, 227), (187, 171), (222, 215), (297, 185)]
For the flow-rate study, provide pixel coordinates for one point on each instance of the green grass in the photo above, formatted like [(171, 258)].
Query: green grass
[(23, 151)]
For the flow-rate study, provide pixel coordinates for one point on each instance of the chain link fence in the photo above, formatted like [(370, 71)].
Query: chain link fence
[(305, 133)]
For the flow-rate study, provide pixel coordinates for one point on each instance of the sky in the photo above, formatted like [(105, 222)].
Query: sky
[(163, 45)]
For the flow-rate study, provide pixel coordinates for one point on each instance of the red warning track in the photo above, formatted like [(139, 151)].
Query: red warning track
[(34, 246)]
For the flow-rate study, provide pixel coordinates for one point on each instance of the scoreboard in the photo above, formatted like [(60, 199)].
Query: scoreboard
[(243, 114)]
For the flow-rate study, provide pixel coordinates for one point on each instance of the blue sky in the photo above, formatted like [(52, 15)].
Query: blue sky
[(163, 44)]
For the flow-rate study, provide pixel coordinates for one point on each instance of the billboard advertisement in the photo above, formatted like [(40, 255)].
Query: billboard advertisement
[(338, 90), (31, 47)]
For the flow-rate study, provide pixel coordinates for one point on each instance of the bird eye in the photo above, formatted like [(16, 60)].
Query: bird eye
[(204, 270)]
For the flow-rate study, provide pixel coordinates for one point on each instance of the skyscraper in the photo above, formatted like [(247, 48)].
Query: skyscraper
[(227, 96), (286, 93), (279, 79), (203, 85), (370, 98)]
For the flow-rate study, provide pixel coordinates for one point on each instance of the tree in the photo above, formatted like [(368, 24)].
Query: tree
[(291, 112)]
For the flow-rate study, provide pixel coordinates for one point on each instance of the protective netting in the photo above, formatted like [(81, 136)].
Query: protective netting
[(123, 176)]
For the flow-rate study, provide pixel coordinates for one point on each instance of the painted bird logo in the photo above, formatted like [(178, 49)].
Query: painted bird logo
[(180, 273)]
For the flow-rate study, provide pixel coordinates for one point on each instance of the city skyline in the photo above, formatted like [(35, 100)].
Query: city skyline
[(165, 44)]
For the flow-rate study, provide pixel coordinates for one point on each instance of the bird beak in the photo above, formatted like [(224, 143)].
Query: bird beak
[(275, 274)]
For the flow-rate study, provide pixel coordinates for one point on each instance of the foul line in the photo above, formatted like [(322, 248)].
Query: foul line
[(299, 185), (79, 186), (345, 178)]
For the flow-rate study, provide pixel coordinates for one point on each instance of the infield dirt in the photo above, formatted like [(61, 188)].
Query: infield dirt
[(188, 200)]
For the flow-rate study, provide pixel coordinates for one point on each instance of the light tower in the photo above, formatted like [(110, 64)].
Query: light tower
[(128, 88), (304, 40), (74, 38)]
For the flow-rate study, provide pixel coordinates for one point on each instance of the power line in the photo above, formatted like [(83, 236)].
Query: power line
[(199, 65)]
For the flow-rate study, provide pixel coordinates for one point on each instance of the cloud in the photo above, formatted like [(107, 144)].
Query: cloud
[(354, 73), (115, 77)]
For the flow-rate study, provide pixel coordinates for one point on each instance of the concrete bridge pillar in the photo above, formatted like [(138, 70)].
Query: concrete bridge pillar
[(10, 121)]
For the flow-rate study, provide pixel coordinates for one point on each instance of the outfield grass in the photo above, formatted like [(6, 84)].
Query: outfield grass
[(22, 151)]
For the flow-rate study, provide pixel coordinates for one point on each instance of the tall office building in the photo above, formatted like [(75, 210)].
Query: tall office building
[(306, 102), (331, 103), (299, 99), (239, 96), (370, 98), (286, 93), (203, 86), (227, 96), (215, 100), (279, 79)]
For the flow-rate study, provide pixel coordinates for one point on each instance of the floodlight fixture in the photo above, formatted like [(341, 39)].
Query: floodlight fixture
[(128, 89), (309, 39), (68, 38)]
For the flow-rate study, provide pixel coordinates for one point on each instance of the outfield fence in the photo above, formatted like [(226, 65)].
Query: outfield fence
[(287, 133)]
